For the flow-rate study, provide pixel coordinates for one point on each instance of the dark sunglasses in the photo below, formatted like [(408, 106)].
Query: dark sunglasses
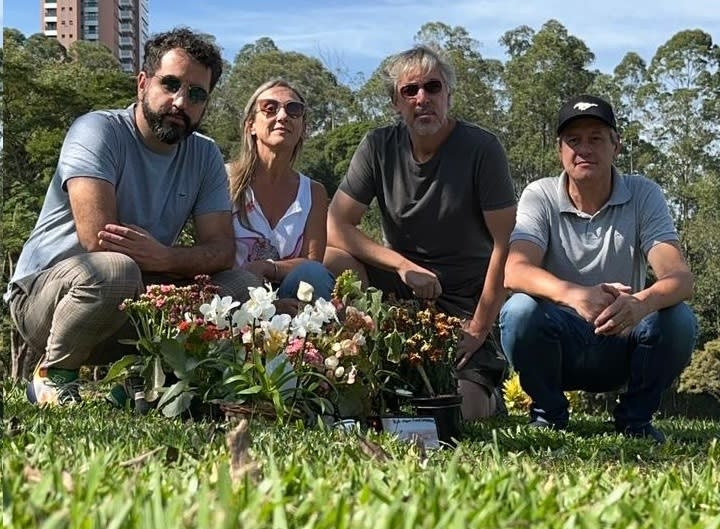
[(196, 94), (411, 90), (270, 107)]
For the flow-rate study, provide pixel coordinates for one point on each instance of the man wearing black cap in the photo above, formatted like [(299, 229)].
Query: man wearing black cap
[(582, 315)]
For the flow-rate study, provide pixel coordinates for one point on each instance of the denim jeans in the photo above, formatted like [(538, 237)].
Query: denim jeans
[(311, 272), (553, 350)]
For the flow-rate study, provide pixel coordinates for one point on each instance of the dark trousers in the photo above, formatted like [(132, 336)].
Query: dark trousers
[(554, 350)]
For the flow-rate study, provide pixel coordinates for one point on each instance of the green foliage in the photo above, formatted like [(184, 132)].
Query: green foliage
[(96, 467), (702, 375)]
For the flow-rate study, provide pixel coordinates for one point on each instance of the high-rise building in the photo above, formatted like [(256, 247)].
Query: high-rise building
[(122, 25)]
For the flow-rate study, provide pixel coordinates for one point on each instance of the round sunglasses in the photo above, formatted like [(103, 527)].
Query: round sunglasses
[(411, 90), (270, 107), (172, 84)]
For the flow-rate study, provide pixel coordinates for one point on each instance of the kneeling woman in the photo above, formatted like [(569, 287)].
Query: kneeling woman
[(279, 214)]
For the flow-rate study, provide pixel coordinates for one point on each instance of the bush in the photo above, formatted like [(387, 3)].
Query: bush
[(702, 375)]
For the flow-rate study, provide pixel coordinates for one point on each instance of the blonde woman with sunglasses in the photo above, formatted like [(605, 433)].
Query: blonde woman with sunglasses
[(279, 213)]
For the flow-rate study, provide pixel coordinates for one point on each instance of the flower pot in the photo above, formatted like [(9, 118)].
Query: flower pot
[(445, 409)]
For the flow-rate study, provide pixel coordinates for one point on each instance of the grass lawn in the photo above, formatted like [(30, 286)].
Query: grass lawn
[(80, 468)]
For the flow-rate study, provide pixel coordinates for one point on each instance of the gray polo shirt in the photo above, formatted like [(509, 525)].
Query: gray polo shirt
[(157, 192), (609, 246)]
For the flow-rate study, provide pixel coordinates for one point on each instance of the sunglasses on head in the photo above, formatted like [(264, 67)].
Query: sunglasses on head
[(196, 94), (270, 107), (411, 90)]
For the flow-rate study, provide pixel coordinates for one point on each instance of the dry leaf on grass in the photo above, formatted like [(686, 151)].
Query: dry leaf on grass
[(238, 443)]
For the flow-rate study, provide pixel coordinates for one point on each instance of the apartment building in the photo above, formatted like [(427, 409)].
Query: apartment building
[(122, 25)]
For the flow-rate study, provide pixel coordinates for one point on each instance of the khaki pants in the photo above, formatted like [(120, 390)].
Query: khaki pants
[(69, 313)]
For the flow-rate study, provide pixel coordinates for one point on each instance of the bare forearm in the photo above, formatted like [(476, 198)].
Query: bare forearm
[(207, 258), (535, 281), (666, 292), (363, 248), (493, 294)]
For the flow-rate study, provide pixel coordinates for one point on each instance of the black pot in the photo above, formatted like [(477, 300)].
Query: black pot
[(445, 409)]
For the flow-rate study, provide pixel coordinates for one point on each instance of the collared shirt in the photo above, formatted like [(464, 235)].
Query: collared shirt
[(608, 246)]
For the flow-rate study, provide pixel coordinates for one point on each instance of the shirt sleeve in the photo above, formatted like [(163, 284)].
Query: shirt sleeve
[(91, 148), (656, 224), (359, 182), (214, 195), (532, 223), (493, 184)]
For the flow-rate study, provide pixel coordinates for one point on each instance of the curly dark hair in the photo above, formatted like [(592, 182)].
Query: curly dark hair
[(198, 46)]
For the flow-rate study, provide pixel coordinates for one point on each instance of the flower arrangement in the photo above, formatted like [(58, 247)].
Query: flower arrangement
[(219, 350), (338, 356), (412, 339)]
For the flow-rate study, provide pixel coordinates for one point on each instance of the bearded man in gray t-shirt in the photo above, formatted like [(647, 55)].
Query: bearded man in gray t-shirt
[(447, 204), (582, 315), (126, 183)]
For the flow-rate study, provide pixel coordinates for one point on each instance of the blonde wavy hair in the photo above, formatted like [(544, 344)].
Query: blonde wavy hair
[(243, 168)]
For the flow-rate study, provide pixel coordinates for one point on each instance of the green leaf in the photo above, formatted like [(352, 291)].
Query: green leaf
[(179, 404), (119, 369), (394, 344), (175, 390)]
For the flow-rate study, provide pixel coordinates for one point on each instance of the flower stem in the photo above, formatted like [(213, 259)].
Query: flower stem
[(426, 380)]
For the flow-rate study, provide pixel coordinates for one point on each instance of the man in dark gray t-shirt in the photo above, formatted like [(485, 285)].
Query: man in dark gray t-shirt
[(582, 315), (447, 205), (126, 183)]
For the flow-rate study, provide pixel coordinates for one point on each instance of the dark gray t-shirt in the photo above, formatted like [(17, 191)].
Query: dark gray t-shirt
[(609, 246), (157, 192), (432, 211)]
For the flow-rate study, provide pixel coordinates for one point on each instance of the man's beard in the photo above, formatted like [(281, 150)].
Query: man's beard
[(170, 133)]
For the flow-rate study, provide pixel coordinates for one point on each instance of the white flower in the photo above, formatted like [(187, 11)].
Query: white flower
[(241, 318), (339, 372), (331, 362), (305, 292), (275, 333), (218, 310), (260, 305), (306, 322), (326, 310)]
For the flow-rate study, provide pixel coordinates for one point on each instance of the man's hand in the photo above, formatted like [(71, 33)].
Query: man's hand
[(590, 302), (135, 242), (471, 338), (621, 315), (421, 281)]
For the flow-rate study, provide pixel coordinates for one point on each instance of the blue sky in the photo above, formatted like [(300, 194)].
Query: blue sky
[(354, 36)]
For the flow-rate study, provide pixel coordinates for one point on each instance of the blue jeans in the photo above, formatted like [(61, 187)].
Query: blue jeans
[(554, 350), (311, 272)]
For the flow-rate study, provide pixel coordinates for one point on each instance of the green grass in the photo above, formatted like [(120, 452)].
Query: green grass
[(63, 468)]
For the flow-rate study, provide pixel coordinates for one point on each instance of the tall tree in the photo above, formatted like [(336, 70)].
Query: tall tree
[(328, 101), (544, 69)]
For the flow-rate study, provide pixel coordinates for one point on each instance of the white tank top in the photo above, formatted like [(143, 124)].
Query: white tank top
[(260, 241)]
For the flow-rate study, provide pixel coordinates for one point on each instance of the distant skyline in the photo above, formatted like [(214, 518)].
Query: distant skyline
[(355, 37)]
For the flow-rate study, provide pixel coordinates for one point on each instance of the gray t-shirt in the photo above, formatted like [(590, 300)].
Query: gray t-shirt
[(609, 246), (157, 192), (432, 212)]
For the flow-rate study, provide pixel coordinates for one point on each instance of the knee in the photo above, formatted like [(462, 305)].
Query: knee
[(314, 273), (118, 275), (519, 312), (522, 323), (675, 326)]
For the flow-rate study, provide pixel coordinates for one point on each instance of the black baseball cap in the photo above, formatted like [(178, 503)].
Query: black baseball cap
[(586, 106)]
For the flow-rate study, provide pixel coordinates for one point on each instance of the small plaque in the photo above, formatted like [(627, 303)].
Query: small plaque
[(410, 428)]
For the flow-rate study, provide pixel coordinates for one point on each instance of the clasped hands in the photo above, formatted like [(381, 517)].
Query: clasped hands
[(610, 307)]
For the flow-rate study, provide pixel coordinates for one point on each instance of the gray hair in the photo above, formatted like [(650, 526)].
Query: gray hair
[(419, 58)]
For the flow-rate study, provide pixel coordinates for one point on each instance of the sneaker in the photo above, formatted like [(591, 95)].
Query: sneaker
[(53, 386), (644, 431), (542, 423)]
